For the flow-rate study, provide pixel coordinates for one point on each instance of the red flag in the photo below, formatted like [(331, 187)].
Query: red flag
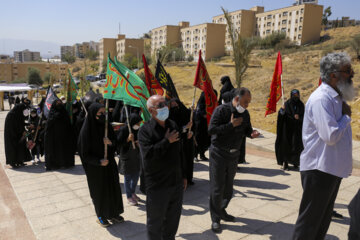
[(203, 81), (152, 84), (275, 87), (320, 81)]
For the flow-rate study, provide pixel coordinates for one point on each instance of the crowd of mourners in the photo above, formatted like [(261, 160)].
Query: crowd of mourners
[(159, 155)]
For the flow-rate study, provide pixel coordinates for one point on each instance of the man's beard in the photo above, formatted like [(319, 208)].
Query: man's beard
[(346, 88)]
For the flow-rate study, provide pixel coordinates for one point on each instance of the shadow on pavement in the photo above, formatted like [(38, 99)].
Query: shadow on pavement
[(208, 235), (262, 171), (126, 229), (40, 168), (259, 184), (266, 196)]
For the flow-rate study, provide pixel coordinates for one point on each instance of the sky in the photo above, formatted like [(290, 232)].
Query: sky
[(67, 22)]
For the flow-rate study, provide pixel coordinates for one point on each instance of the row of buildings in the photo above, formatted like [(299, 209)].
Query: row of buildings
[(26, 56), (79, 50), (300, 22)]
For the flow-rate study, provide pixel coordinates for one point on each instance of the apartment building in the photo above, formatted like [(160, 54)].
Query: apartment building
[(94, 46), (207, 37), (343, 22), (243, 22), (12, 71), (108, 45), (167, 35), (66, 50), (26, 56), (129, 46), (300, 2), (300, 23)]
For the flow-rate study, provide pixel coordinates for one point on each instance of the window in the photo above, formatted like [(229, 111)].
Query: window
[(279, 24), (269, 16), (268, 31), (297, 12), (289, 30), (299, 36), (269, 24), (284, 21), (295, 29), (290, 13), (294, 38), (301, 19), (283, 30), (300, 28), (289, 22), (285, 14), (296, 21), (302, 10)]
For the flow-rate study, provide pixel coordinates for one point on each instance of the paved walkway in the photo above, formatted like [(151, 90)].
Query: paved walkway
[(266, 200)]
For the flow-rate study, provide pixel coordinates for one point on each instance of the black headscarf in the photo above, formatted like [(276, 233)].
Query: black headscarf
[(179, 114), (227, 85), (57, 112), (92, 133), (294, 105)]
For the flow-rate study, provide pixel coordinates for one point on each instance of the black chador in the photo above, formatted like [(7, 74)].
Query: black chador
[(15, 144), (288, 145), (103, 181), (181, 116), (59, 138)]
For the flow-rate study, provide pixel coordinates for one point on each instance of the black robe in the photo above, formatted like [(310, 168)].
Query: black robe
[(202, 136), (129, 160), (103, 181), (59, 139), (288, 144), (16, 151), (181, 116)]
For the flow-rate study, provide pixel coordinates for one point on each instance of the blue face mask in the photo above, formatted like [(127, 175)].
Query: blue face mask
[(162, 113)]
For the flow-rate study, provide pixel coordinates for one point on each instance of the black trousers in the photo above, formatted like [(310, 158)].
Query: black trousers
[(163, 210), (319, 193), (223, 167), (354, 212)]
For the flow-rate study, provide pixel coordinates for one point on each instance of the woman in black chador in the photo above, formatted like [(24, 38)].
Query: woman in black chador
[(288, 144), (102, 175), (16, 151), (59, 138), (181, 116)]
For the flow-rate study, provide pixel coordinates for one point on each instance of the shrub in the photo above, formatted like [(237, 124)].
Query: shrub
[(76, 69)]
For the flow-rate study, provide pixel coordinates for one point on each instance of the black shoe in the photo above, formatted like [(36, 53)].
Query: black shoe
[(337, 215), (216, 227), (103, 222), (191, 183), (118, 219), (228, 218)]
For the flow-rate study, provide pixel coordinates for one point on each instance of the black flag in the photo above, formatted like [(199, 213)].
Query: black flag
[(165, 81), (50, 98)]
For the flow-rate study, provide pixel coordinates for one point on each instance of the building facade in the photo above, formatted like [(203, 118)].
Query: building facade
[(207, 37), (243, 22), (108, 46), (26, 56), (343, 22), (166, 35), (131, 46), (300, 2), (300, 23), (66, 50), (10, 72)]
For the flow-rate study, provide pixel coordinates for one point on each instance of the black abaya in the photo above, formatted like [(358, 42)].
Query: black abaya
[(103, 181), (16, 151), (59, 139), (288, 144)]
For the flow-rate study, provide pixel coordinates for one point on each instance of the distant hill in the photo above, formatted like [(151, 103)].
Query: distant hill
[(8, 46)]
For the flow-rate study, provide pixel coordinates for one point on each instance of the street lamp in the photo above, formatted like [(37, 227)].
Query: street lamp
[(137, 53)]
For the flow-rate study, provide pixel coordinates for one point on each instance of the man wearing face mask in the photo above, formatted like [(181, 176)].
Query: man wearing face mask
[(164, 171), (327, 138), (229, 124)]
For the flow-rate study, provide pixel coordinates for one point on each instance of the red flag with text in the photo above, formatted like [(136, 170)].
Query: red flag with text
[(203, 81), (152, 84), (275, 87)]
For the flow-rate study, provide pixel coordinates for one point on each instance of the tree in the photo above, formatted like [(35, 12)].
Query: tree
[(91, 54), (355, 44), (49, 78), (69, 58), (104, 66), (327, 13), (130, 61), (242, 48), (33, 76)]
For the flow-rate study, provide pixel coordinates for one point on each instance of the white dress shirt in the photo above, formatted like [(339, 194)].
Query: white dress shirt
[(326, 134)]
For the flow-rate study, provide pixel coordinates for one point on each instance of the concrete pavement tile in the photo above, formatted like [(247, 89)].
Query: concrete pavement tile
[(278, 230), (345, 195), (247, 203), (253, 221), (62, 196), (255, 236), (69, 204), (82, 192), (48, 221), (42, 210), (273, 212)]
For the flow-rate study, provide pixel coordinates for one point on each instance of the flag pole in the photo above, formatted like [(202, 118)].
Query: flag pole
[(128, 124), (106, 127), (192, 106), (282, 91)]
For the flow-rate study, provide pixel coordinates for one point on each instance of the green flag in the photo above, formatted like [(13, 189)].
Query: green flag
[(71, 95), (123, 84)]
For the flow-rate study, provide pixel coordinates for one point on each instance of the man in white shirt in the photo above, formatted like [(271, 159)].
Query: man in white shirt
[(327, 139)]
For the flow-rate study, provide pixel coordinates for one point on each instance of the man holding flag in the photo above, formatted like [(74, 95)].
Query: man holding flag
[(229, 124)]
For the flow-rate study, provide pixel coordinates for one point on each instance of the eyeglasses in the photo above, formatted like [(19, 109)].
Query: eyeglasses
[(160, 105), (350, 71)]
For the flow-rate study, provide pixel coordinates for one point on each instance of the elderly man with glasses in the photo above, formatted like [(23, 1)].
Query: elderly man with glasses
[(327, 154), (164, 168)]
